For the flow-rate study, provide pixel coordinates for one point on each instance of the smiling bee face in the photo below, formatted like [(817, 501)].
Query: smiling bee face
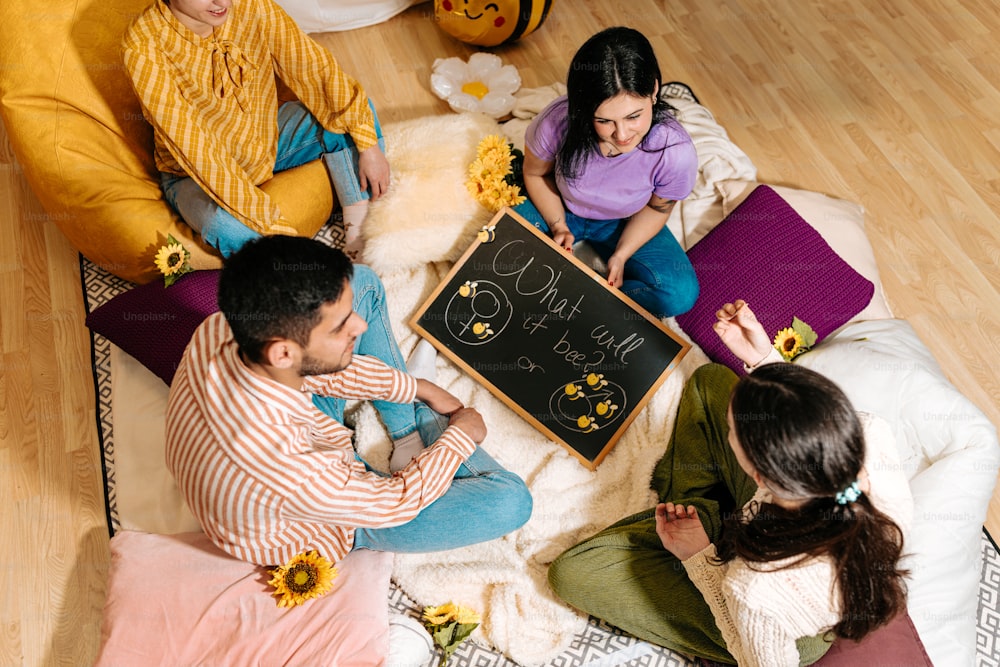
[(490, 22)]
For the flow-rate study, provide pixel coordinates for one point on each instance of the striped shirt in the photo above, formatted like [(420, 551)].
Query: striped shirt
[(213, 101), (268, 475)]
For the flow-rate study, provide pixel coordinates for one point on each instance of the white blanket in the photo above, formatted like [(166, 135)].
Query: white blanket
[(506, 578)]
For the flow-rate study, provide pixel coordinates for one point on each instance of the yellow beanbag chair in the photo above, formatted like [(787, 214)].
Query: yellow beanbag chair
[(77, 129)]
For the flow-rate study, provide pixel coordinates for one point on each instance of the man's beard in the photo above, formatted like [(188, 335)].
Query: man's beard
[(313, 366)]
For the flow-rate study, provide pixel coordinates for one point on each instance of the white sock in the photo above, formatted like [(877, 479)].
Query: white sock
[(353, 216), (422, 361), (404, 450)]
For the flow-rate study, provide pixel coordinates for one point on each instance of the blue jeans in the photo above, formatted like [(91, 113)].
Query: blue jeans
[(301, 139), (485, 501), (659, 276)]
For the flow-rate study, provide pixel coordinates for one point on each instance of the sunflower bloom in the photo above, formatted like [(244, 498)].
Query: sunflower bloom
[(307, 575), (789, 343), (440, 614), (449, 625), (172, 260), (466, 615)]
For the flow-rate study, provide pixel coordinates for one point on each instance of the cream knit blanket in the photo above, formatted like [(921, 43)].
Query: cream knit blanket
[(413, 235)]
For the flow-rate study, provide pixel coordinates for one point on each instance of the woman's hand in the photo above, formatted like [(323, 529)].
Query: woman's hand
[(562, 236), (742, 333), (616, 269), (680, 530)]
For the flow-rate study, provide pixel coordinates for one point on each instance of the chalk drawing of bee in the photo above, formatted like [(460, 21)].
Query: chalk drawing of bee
[(468, 289), (605, 409), (487, 234), (587, 424)]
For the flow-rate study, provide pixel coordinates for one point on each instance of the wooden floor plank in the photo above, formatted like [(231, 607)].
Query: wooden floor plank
[(892, 105)]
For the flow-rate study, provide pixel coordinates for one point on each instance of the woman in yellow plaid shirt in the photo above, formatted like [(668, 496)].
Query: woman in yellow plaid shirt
[(204, 71)]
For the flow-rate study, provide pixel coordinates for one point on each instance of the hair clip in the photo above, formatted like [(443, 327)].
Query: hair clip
[(850, 494)]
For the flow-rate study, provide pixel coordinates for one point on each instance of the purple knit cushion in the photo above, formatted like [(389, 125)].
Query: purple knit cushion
[(766, 254), (154, 323)]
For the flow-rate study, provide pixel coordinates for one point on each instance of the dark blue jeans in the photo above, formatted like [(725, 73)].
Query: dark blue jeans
[(659, 276)]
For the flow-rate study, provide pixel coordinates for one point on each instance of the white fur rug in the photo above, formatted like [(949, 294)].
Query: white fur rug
[(413, 235)]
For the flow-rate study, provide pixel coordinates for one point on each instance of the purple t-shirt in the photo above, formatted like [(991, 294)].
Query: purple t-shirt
[(610, 188)]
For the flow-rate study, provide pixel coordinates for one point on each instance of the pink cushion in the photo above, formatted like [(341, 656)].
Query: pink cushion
[(896, 643), (765, 253), (154, 323), (178, 600)]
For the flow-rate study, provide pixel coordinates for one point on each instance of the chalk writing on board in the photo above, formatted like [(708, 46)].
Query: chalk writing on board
[(546, 334)]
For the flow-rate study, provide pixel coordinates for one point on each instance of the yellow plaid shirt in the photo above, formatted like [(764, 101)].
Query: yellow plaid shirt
[(213, 101)]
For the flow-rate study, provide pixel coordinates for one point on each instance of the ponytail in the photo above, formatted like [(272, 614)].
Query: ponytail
[(864, 544)]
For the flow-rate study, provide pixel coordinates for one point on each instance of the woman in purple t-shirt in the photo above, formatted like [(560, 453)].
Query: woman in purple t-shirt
[(607, 163)]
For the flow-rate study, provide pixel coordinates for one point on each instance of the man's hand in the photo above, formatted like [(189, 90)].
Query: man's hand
[(680, 530), (471, 423), (437, 399), (373, 171)]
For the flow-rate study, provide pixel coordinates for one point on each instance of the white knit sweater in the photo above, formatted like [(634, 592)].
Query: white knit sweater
[(761, 609)]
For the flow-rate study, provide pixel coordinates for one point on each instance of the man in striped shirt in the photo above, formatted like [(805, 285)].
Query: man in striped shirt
[(255, 437), (204, 72)]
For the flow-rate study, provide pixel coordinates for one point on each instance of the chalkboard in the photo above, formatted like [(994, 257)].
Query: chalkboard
[(546, 335)]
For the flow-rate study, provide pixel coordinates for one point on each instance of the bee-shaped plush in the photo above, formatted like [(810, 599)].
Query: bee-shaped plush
[(490, 22)]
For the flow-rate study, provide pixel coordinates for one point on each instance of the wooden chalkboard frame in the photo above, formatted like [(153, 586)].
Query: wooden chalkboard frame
[(444, 319)]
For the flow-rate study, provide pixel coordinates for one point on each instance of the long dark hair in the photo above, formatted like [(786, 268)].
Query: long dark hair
[(800, 432), (273, 287), (614, 61)]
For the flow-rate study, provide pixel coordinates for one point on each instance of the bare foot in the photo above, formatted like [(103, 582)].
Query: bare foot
[(739, 329)]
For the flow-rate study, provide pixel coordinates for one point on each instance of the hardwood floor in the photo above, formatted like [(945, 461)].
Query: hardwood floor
[(895, 108)]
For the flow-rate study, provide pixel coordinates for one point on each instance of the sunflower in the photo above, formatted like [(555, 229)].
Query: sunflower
[(441, 614), (305, 576), (172, 260), (449, 625), (789, 343), (466, 615)]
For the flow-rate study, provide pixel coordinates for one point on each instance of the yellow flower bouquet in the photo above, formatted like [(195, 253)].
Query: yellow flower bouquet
[(495, 178), (449, 625)]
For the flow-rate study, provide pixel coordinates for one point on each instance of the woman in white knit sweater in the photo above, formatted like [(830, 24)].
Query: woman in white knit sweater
[(780, 525)]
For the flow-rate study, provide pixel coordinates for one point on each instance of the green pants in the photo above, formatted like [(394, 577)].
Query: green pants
[(624, 575)]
